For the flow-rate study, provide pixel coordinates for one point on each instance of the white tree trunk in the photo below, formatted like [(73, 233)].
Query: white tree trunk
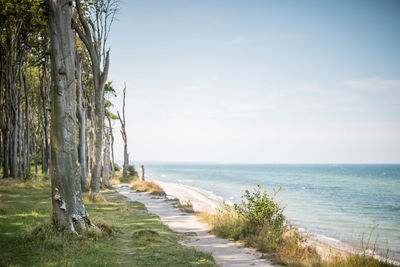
[(106, 161)]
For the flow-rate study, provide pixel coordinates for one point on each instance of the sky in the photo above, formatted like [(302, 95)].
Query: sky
[(258, 81)]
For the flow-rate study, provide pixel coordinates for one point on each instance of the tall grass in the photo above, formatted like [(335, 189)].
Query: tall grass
[(147, 186), (258, 221)]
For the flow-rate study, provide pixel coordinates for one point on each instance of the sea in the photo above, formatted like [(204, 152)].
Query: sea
[(354, 204)]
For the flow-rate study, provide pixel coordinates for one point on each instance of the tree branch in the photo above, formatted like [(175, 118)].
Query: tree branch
[(82, 18)]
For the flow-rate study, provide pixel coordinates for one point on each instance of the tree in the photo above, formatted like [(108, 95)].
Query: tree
[(124, 137), (109, 91), (94, 35), (81, 113), (67, 202), (22, 27)]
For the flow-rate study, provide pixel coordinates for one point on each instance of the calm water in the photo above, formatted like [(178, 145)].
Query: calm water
[(337, 201)]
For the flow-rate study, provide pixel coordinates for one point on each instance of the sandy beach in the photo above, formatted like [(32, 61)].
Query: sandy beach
[(226, 253)]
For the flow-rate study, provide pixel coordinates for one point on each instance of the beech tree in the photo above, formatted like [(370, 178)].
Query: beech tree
[(93, 30), (22, 27), (124, 136), (67, 202), (81, 113)]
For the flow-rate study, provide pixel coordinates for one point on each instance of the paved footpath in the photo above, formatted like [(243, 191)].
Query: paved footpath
[(226, 253)]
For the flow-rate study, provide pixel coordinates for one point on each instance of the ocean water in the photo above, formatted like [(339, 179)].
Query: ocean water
[(334, 202)]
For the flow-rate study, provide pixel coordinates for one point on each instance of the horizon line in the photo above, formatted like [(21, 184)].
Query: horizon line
[(259, 163)]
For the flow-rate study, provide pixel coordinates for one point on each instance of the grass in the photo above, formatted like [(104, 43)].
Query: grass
[(146, 186), (185, 207), (128, 235)]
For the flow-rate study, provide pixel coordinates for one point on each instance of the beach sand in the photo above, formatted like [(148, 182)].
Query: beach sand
[(226, 253)]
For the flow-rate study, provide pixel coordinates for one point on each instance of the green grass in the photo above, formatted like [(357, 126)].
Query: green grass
[(130, 236)]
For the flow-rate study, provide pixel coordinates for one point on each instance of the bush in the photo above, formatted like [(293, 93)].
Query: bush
[(46, 176), (117, 167), (131, 170), (258, 220), (260, 209)]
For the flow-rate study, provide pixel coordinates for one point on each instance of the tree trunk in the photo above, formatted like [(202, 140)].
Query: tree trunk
[(112, 147), (82, 120), (126, 159), (28, 134), (124, 137), (106, 161), (67, 202), (142, 173), (6, 154), (15, 146), (91, 139), (92, 43), (20, 135)]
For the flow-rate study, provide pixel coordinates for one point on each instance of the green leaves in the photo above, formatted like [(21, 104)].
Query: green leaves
[(260, 208)]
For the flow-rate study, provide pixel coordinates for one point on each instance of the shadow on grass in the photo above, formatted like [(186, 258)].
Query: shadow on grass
[(129, 235)]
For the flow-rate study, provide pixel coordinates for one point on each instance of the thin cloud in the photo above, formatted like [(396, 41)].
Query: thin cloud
[(374, 82)]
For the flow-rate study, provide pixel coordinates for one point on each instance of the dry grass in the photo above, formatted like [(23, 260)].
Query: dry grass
[(146, 186), (185, 207), (291, 250)]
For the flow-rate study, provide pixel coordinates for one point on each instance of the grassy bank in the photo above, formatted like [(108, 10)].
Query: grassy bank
[(259, 222), (129, 236)]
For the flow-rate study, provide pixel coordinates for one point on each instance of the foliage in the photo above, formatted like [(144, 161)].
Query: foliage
[(260, 209), (131, 170), (117, 167)]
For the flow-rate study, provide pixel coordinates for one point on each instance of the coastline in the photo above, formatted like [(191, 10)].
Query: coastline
[(204, 201), (225, 252)]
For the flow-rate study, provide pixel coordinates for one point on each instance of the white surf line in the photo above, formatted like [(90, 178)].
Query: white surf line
[(226, 253)]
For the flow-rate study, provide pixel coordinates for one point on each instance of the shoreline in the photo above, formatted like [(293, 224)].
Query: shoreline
[(204, 201), (225, 252)]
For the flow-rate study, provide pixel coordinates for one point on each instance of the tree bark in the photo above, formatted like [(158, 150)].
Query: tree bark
[(106, 161), (45, 92), (124, 137), (112, 147), (28, 134), (20, 135), (93, 41), (67, 202), (82, 121)]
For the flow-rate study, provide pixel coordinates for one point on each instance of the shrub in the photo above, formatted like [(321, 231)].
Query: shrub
[(131, 170), (117, 167), (260, 209), (258, 220), (46, 176)]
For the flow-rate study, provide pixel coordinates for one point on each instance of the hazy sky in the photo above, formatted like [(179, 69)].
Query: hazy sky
[(259, 81)]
